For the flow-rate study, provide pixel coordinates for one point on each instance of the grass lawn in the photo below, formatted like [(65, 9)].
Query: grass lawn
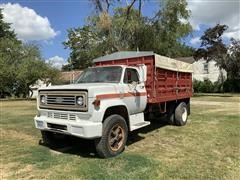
[(208, 147)]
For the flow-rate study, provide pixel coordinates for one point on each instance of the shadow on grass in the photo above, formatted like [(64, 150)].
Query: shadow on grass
[(85, 148), (135, 136), (73, 145)]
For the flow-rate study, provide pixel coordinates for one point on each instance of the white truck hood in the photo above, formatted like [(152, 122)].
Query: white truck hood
[(92, 88)]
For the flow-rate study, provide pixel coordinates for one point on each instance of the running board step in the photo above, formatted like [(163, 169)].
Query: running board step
[(139, 125), (136, 121)]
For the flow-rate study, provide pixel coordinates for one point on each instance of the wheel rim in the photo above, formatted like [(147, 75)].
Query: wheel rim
[(116, 137), (184, 115)]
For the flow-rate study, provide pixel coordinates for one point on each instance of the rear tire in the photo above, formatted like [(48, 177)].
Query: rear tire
[(181, 114), (114, 137)]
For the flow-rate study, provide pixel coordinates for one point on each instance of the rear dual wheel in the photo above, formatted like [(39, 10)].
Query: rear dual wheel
[(179, 115), (114, 137)]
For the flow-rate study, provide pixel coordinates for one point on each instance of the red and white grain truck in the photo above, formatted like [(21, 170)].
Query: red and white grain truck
[(114, 97)]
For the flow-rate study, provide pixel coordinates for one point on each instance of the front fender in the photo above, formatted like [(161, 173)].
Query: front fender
[(98, 112)]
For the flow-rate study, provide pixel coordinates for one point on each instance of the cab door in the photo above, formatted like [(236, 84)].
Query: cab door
[(135, 96)]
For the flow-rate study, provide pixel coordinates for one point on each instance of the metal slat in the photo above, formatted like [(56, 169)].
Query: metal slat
[(61, 104), (72, 117), (52, 102), (53, 99), (63, 116), (65, 100)]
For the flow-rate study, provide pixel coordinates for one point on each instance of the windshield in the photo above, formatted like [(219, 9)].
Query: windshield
[(111, 74)]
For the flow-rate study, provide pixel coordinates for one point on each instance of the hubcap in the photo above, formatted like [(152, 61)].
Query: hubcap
[(184, 114), (116, 137)]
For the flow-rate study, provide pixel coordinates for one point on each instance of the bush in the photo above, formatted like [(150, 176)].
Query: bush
[(206, 86), (231, 85), (196, 85)]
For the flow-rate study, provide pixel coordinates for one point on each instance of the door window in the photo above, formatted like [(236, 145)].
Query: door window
[(130, 76)]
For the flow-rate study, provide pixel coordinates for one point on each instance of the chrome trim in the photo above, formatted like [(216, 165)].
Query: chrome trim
[(63, 100), (64, 116)]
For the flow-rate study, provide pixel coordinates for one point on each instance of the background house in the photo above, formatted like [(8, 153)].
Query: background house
[(67, 77), (207, 70), (39, 83), (203, 70)]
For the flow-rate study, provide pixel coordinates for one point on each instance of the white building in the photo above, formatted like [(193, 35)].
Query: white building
[(204, 70), (39, 83), (207, 70)]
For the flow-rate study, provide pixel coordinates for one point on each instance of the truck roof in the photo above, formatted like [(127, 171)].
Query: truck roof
[(160, 61), (123, 55)]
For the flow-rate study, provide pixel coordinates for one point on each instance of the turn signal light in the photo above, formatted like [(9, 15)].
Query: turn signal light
[(96, 103)]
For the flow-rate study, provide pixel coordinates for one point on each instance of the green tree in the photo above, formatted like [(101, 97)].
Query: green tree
[(227, 57), (31, 68), (84, 43), (212, 46), (9, 53), (20, 67), (232, 61), (5, 29), (164, 32), (21, 64), (128, 29)]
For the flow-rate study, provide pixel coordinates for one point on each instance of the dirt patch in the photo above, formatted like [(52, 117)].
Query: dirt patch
[(26, 172), (228, 108), (6, 170), (12, 170), (25, 113), (218, 98), (26, 169), (12, 134), (212, 103), (230, 111)]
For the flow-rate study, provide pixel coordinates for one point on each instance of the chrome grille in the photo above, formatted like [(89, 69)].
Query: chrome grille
[(63, 100), (63, 116), (72, 117)]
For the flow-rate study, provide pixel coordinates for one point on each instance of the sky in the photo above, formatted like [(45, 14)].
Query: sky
[(45, 22)]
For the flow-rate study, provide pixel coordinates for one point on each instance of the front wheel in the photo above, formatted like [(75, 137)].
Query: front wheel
[(181, 114), (114, 137)]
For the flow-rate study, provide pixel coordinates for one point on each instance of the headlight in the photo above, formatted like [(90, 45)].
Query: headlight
[(43, 99), (80, 100)]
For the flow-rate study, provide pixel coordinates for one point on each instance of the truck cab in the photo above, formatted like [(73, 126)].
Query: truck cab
[(104, 104)]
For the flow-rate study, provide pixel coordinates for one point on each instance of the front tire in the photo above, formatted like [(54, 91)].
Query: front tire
[(181, 114), (114, 137)]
